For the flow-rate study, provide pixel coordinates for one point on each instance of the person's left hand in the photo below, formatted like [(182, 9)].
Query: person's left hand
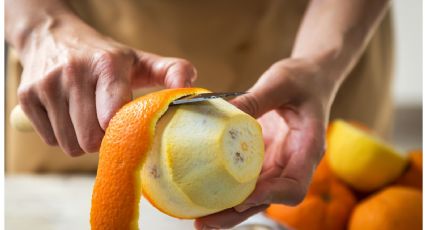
[(292, 100)]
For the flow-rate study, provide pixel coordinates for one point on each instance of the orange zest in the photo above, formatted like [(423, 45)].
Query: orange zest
[(129, 136)]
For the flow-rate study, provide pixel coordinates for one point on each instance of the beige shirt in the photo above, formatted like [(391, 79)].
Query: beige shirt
[(231, 43)]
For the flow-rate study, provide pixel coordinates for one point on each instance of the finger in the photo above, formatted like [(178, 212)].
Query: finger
[(36, 113), (267, 93), (282, 190), (227, 218), (287, 182), (113, 90), (303, 147), (82, 110), (168, 72), (58, 112)]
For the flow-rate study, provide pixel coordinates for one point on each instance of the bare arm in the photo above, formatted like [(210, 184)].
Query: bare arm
[(335, 33), (23, 18), (293, 98)]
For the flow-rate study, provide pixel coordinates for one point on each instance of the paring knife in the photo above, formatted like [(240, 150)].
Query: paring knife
[(20, 121), (203, 97)]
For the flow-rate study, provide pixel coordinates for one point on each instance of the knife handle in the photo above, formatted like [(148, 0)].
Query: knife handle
[(20, 121)]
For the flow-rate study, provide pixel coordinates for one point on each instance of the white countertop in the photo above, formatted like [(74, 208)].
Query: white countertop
[(51, 202)]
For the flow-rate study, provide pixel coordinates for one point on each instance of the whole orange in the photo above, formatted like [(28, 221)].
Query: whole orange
[(394, 207), (328, 204), (412, 177)]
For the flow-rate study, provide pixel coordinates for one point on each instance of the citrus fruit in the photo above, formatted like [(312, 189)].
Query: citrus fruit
[(360, 159), (187, 160), (412, 177), (394, 207), (327, 205)]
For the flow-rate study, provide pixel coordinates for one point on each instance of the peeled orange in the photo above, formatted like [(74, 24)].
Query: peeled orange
[(188, 160)]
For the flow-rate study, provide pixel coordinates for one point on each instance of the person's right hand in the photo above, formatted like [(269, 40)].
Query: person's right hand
[(74, 80)]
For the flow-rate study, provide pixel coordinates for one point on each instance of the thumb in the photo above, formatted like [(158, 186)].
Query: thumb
[(264, 96), (168, 72)]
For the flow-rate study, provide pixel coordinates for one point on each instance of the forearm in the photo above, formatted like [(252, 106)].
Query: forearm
[(334, 33), (24, 17)]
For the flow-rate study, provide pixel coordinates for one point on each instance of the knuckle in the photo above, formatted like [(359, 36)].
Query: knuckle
[(113, 56), (105, 58), (47, 84), (106, 63), (122, 53), (25, 94), (185, 66), (71, 73)]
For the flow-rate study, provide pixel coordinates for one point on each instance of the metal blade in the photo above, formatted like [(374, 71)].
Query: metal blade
[(204, 97)]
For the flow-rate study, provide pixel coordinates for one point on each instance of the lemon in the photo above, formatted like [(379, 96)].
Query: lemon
[(361, 159)]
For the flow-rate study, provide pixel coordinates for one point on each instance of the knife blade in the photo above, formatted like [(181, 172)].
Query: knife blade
[(204, 97)]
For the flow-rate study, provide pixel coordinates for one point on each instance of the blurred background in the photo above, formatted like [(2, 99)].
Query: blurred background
[(408, 74), (63, 201)]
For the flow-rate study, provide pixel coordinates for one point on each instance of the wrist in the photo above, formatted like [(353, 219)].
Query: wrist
[(329, 67), (329, 55), (19, 32), (50, 33)]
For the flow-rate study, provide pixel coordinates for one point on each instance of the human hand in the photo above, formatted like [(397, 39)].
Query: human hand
[(75, 79), (292, 100)]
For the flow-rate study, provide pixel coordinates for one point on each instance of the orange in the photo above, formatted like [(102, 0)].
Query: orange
[(412, 177), (205, 157), (117, 190), (196, 160), (392, 208), (328, 204)]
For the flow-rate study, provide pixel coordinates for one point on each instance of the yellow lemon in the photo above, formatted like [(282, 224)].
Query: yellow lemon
[(361, 159)]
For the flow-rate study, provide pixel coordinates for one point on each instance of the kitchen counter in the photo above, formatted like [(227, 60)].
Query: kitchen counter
[(50, 202)]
